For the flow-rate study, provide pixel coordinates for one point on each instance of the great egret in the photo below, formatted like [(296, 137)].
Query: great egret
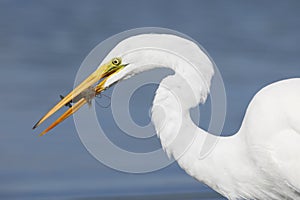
[(261, 161)]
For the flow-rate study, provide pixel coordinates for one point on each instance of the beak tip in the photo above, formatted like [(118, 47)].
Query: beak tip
[(37, 124), (34, 127)]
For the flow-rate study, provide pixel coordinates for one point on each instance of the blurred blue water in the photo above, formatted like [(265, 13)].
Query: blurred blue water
[(42, 44)]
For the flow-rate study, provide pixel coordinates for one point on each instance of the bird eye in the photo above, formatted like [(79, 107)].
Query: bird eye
[(116, 61)]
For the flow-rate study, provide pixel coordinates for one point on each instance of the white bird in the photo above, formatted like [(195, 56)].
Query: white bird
[(260, 161)]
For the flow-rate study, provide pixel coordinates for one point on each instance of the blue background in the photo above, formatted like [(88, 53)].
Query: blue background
[(42, 44)]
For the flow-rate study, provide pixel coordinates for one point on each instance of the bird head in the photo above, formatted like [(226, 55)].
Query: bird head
[(85, 91)]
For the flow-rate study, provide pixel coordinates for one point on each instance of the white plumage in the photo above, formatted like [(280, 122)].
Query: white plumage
[(261, 161)]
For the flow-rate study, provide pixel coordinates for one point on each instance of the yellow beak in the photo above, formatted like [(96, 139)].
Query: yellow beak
[(104, 71)]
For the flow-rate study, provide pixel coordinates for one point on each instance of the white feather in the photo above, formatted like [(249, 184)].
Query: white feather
[(261, 161)]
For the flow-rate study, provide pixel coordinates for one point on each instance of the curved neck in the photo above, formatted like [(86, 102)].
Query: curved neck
[(184, 141), (171, 116)]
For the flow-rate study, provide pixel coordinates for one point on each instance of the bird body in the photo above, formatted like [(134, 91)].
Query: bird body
[(260, 161)]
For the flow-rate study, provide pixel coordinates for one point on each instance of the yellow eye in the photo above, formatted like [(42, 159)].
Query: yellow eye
[(116, 61)]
